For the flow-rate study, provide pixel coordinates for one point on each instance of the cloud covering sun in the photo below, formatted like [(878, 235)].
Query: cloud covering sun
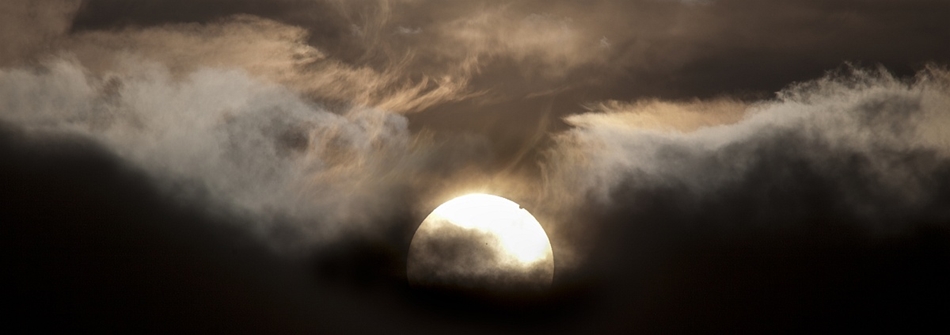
[(263, 166)]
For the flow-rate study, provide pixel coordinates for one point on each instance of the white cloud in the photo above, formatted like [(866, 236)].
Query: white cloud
[(255, 147), (883, 122)]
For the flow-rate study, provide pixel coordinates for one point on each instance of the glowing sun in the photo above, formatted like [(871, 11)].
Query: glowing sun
[(481, 241)]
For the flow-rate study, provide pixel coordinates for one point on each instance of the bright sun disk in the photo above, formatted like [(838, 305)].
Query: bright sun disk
[(518, 232)]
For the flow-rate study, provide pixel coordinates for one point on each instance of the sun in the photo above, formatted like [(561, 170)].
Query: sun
[(481, 240), (519, 234)]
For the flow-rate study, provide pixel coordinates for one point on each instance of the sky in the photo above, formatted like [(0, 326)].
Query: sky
[(252, 166)]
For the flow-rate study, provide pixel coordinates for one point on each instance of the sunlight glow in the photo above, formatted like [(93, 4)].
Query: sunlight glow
[(518, 232)]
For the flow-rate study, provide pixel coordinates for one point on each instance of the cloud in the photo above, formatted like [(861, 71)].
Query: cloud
[(662, 115), (30, 28), (268, 50), (646, 136), (863, 149), (255, 147), (665, 49), (553, 45), (491, 67)]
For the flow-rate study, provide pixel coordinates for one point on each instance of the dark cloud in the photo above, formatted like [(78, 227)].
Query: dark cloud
[(90, 245), (122, 256), (449, 256), (261, 166)]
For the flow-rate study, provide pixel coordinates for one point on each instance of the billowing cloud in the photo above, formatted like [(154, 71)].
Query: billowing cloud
[(862, 147), (256, 147)]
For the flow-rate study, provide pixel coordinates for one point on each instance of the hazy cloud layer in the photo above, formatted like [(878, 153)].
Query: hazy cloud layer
[(686, 158), (283, 119), (704, 144), (254, 146), (483, 66), (30, 28), (272, 51), (860, 149), (658, 48)]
